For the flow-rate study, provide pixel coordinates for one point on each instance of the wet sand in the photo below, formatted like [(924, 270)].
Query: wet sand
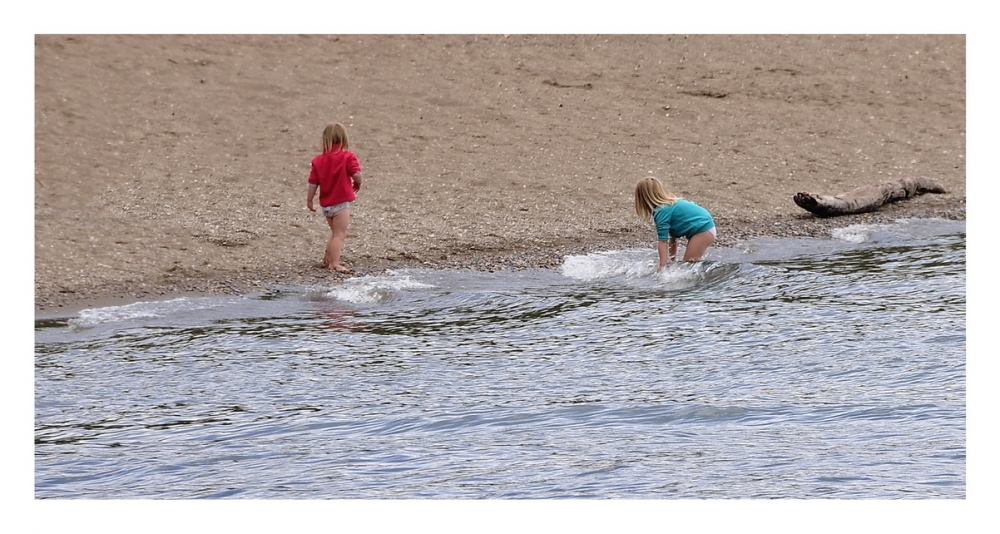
[(168, 165)]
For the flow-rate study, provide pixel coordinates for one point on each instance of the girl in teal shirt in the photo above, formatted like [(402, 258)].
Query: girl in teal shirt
[(674, 217)]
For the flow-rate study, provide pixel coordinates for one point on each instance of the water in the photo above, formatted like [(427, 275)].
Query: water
[(786, 368)]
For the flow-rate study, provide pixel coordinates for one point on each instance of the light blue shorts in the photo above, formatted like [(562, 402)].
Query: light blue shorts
[(330, 211)]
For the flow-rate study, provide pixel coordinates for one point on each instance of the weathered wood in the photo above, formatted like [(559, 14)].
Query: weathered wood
[(866, 198)]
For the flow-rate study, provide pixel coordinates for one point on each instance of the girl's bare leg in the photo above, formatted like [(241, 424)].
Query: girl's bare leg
[(697, 246), (335, 245)]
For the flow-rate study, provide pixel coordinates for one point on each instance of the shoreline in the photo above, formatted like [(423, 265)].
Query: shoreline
[(170, 164), (796, 226)]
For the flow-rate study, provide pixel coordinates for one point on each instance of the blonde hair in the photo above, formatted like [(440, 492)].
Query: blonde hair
[(649, 195), (334, 134)]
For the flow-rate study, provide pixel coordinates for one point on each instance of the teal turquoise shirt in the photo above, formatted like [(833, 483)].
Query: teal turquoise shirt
[(683, 218)]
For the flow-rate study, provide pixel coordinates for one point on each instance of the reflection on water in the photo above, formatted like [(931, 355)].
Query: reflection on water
[(781, 368)]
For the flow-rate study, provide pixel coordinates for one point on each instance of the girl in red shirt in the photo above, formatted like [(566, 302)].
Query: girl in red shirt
[(337, 175)]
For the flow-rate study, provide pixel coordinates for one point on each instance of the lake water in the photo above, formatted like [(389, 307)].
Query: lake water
[(784, 368)]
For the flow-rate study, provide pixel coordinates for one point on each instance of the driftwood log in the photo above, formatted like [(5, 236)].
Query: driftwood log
[(866, 198)]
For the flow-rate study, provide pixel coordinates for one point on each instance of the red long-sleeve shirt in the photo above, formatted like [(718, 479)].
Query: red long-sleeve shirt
[(332, 172)]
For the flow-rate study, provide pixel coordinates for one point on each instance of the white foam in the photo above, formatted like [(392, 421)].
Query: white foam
[(137, 310), (906, 228), (856, 233), (683, 275), (611, 264), (370, 289)]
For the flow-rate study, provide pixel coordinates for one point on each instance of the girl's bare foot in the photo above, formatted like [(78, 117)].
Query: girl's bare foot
[(340, 269)]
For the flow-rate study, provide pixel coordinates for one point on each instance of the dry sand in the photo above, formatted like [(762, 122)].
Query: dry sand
[(173, 164)]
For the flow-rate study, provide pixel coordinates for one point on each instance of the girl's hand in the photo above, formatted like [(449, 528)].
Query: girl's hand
[(309, 197), (663, 254)]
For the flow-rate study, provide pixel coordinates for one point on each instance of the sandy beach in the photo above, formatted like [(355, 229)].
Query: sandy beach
[(168, 165)]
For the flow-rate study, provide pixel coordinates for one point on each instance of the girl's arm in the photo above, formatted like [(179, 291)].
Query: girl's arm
[(672, 248), (309, 199), (356, 179), (313, 186), (661, 250)]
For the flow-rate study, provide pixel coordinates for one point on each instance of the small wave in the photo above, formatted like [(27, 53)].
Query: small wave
[(857, 233), (611, 264), (641, 264), (683, 275), (372, 289), (910, 228), (137, 310)]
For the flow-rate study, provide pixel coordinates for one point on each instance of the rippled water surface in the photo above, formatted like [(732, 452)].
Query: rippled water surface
[(808, 368)]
